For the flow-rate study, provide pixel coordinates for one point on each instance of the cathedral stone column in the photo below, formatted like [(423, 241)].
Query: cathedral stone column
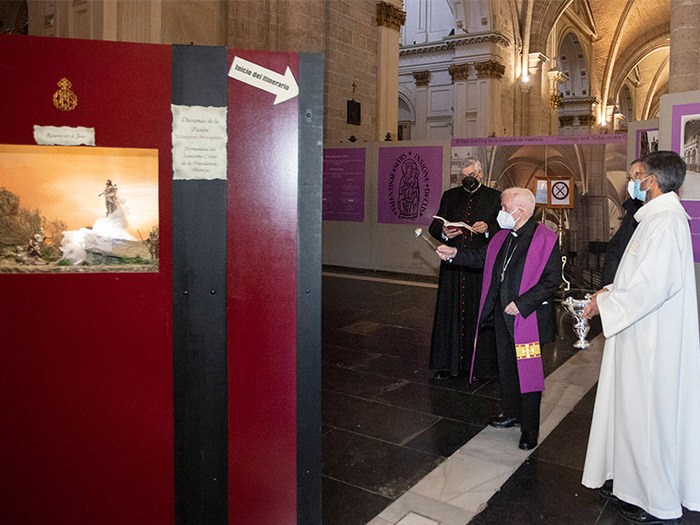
[(422, 79), (537, 100), (489, 76), (390, 18), (596, 201), (684, 64), (460, 75), (523, 106)]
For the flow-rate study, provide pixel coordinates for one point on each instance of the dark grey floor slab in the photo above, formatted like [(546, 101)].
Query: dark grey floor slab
[(586, 404), (346, 357), (344, 504), (486, 386), (387, 422), (373, 419), (404, 334), (566, 445), (377, 345), (399, 367), (541, 493), (469, 408), (382, 468), (444, 437), (356, 383), (340, 320)]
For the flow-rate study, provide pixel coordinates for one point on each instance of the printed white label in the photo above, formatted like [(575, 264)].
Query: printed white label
[(64, 136), (199, 142)]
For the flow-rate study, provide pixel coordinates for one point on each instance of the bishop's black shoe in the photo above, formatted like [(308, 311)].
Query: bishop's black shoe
[(505, 422), (441, 374), (528, 440), (636, 514)]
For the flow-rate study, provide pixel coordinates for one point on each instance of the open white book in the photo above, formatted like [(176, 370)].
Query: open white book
[(463, 226)]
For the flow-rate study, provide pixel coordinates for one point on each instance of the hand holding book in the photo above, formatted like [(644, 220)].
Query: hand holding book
[(463, 227)]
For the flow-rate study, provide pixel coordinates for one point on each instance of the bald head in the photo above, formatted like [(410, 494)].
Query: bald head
[(518, 202)]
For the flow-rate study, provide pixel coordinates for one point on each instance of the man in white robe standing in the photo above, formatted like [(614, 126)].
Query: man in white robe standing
[(645, 434)]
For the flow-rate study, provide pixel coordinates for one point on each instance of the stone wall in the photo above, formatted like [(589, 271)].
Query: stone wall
[(350, 57)]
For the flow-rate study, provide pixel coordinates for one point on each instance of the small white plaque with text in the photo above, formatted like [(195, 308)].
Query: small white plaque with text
[(64, 136), (199, 142)]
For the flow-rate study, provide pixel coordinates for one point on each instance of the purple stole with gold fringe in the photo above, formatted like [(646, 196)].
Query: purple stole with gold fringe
[(525, 332)]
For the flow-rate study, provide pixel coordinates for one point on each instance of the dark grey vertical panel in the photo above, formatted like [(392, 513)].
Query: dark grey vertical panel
[(199, 309), (309, 289)]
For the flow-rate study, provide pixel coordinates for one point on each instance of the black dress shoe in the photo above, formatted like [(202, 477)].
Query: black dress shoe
[(606, 491), (505, 422), (638, 515), (528, 440), (441, 374)]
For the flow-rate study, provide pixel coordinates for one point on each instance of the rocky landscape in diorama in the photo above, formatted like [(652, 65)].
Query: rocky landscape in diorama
[(31, 243)]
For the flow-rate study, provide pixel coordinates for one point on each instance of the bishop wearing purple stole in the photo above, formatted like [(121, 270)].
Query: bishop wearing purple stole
[(522, 271)]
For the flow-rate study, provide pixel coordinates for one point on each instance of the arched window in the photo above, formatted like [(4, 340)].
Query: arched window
[(407, 118)]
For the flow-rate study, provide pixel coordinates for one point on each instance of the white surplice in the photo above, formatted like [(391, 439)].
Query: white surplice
[(645, 433)]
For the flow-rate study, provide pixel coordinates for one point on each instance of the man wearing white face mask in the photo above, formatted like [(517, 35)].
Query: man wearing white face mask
[(522, 271), (618, 242), (646, 419)]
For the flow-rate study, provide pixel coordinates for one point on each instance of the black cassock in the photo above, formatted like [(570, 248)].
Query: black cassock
[(459, 288)]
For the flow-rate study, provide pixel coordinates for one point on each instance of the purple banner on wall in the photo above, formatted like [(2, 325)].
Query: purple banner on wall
[(410, 184), (693, 209), (620, 138), (344, 184)]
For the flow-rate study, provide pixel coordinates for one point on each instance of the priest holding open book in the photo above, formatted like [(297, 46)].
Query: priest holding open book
[(459, 289)]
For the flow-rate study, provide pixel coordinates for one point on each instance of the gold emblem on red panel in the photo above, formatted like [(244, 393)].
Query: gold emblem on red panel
[(64, 99)]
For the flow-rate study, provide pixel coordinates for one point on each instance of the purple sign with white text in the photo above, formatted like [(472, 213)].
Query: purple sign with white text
[(410, 184), (344, 184)]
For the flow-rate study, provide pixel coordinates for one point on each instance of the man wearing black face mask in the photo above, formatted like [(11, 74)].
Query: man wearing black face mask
[(459, 288)]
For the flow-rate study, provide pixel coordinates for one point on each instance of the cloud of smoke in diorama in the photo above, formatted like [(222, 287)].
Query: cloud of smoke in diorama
[(105, 233)]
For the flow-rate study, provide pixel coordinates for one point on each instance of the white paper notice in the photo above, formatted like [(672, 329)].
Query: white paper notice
[(64, 136), (199, 142)]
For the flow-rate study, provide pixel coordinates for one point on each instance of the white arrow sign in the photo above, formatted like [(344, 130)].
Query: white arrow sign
[(285, 87)]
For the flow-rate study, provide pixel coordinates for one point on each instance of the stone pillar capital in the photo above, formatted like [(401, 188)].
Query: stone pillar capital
[(557, 77), (459, 72), (536, 60), (422, 78), (566, 120), (489, 69), (388, 15)]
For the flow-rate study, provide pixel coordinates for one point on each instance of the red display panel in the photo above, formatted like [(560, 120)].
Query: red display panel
[(86, 426), (262, 297)]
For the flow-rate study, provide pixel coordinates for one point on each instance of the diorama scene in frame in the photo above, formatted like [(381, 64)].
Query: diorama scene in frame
[(688, 149), (66, 209)]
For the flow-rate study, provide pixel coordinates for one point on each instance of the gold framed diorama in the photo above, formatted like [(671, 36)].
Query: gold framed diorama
[(78, 209)]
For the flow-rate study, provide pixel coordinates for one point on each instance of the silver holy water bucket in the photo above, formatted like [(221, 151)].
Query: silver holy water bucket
[(575, 308)]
